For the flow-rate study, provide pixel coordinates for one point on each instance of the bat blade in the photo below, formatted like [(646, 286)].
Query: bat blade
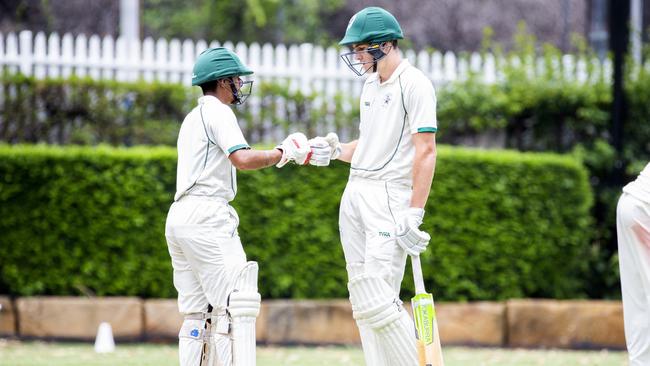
[(426, 325)]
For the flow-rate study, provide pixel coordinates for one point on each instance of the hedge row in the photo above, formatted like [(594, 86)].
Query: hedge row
[(91, 220), (84, 111)]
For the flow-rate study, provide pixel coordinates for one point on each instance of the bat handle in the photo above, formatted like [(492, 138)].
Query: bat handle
[(417, 274)]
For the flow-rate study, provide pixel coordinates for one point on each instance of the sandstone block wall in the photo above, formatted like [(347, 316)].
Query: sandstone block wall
[(78, 317), (514, 323)]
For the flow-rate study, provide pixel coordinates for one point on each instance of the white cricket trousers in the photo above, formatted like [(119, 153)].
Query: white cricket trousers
[(206, 255), (633, 230), (367, 222)]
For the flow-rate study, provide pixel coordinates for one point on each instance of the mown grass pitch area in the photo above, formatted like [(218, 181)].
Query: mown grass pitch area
[(72, 354)]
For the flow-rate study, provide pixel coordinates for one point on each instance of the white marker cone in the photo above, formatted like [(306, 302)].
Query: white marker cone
[(104, 342)]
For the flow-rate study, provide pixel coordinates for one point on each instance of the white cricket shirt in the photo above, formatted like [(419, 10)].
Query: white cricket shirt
[(208, 135), (640, 188), (391, 111)]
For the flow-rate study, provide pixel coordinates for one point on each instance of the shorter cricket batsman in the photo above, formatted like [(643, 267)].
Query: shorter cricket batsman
[(633, 229), (217, 287)]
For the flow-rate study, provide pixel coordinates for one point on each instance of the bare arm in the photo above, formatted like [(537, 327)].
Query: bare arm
[(347, 150), (424, 165), (254, 159)]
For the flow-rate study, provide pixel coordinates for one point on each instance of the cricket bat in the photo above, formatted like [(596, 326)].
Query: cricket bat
[(426, 326)]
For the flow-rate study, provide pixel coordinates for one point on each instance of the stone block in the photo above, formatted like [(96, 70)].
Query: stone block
[(310, 322), (565, 324), (162, 321), (475, 323), (7, 317), (79, 317)]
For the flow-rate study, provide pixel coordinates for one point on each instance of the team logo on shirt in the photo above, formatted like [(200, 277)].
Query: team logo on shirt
[(387, 99)]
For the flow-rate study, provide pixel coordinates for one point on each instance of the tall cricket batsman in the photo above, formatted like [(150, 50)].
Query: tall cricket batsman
[(217, 287), (391, 170), (633, 229)]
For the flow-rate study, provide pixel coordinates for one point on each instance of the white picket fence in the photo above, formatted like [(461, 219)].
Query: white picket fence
[(308, 67)]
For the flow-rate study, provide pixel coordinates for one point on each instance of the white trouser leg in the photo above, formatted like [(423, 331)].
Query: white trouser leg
[(191, 278), (366, 224), (633, 231), (207, 256)]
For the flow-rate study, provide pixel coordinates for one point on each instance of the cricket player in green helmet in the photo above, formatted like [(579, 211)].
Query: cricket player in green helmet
[(217, 286), (391, 170)]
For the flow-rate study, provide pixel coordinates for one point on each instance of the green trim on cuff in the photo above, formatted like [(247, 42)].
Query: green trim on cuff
[(238, 147), (427, 129)]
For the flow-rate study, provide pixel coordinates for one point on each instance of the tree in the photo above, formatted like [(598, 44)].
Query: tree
[(286, 21)]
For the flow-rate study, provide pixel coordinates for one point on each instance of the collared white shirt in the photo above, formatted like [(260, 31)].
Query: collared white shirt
[(391, 111), (208, 135), (640, 188)]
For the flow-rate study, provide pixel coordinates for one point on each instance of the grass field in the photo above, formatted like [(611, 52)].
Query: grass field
[(14, 353)]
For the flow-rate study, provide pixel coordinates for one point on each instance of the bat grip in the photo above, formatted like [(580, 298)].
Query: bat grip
[(417, 274)]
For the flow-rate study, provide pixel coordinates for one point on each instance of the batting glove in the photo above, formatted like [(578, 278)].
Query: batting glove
[(321, 152), (409, 236), (333, 140), (294, 148)]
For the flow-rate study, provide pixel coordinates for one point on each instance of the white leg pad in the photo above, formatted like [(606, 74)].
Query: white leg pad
[(373, 353), (205, 344), (244, 307), (190, 342), (220, 340), (375, 305)]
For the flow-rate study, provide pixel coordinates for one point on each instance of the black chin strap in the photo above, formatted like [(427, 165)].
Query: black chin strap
[(377, 54), (235, 94)]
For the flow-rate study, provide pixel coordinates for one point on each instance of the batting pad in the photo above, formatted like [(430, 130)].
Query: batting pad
[(190, 342), (375, 305), (243, 307)]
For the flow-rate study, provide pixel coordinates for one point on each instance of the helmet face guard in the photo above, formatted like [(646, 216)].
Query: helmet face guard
[(242, 93), (357, 66), (373, 26)]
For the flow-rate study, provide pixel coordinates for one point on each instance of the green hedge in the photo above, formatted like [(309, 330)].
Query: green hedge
[(84, 111), (91, 220)]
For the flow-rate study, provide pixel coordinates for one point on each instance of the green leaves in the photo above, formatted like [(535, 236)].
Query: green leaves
[(84, 220), (276, 21)]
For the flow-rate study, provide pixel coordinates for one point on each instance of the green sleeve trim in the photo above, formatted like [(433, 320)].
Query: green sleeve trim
[(427, 129), (238, 147)]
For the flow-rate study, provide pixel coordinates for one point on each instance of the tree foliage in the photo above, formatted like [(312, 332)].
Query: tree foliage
[(276, 21)]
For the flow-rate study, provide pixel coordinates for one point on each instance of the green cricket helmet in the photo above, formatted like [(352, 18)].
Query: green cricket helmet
[(220, 63), (374, 26)]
